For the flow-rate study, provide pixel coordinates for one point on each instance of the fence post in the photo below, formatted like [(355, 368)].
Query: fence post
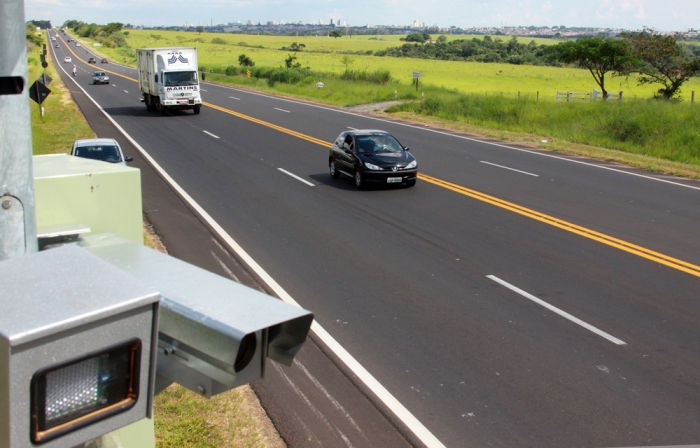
[(692, 97), (518, 94), (538, 95), (620, 97)]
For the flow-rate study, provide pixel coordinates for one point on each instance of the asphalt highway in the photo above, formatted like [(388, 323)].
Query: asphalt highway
[(514, 297)]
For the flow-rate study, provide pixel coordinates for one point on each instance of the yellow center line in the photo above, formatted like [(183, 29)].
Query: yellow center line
[(552, 221)]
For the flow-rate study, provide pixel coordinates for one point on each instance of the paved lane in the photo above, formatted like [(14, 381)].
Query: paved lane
[(400, 276)]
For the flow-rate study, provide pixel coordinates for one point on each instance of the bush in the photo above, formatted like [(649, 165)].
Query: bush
[(218, 41), (375, 77), (231, 70)]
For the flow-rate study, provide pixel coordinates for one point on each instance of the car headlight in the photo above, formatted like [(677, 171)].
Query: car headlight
[(372, 166), (411, 165)]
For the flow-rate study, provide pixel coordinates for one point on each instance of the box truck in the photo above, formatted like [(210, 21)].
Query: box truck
[(168, 78)]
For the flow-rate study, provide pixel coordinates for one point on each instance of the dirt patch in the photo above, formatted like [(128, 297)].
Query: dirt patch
[(373, 108)]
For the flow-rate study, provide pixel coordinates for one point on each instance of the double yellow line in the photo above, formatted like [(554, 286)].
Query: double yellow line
[(640, 251), (569, 227)]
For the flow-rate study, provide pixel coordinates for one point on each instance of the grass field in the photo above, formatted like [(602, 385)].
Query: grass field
[(482, 96), (467, 77)]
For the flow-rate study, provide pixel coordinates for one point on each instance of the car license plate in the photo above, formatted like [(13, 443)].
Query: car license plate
[(392, 180)]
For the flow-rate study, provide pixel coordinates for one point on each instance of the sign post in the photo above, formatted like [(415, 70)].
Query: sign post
[(416, 75)]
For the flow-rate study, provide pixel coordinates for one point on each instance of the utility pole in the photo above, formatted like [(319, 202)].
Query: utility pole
[(17, 212)]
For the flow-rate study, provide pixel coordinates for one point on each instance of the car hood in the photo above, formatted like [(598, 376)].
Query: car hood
[(388, 159)]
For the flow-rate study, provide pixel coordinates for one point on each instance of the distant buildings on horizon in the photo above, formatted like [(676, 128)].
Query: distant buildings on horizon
[(320, 27)]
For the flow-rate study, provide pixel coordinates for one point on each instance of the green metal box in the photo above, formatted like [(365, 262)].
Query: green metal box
[(71, 191)]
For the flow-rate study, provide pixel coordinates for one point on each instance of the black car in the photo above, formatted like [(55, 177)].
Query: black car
[(92, 61), (103, 61), (370, 156)]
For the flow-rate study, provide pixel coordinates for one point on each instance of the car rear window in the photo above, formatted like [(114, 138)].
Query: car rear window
[(105, 153)]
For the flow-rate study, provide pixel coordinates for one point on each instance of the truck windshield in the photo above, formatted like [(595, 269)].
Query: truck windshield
[(180, 78)]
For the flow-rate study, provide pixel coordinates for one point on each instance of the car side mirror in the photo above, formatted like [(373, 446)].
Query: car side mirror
[(406, 148), (129, 159)]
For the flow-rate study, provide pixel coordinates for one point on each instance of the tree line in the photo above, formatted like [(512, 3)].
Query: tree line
[(110, 35), (651, 57)]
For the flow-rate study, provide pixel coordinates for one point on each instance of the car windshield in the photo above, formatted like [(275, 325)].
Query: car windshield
[(377, 143), (180, 78), (100, 74), (106, 153)]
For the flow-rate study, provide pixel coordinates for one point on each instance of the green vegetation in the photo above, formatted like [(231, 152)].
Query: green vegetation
[(184, 419), (658, 129), (62, 123)]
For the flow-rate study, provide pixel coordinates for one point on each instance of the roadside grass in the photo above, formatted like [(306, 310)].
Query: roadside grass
[(648, 127), (63, 123)]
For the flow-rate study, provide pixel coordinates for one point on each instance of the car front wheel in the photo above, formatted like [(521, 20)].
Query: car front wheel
[(359, 182), (334, 172)]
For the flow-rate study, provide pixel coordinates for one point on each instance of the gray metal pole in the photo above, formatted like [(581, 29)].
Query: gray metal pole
[(17, 208)]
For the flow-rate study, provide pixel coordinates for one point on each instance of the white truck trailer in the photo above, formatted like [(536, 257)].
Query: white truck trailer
[(168, 78)]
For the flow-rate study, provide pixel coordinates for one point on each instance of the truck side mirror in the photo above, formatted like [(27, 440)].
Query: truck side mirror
[(156, 79)]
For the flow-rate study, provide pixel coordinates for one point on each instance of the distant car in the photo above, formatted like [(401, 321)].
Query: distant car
[(100, 78), (58, 46), (77, 44), (371, 156), (103, 61), (105, 149), (69, 40), (67, 59), (92, 61)]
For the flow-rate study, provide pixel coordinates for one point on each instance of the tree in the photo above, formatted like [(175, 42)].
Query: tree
[(200, 29), (289, 62), (336, 33), (245, 61), (416, 37), (442, 39), (661, 59), (347, 60), (599, 56), (112, 27)]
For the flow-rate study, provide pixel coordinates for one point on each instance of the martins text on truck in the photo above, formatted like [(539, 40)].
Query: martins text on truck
[(168, 78)]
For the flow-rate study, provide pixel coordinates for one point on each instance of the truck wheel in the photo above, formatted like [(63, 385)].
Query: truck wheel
[(160, 108), (196, 109)]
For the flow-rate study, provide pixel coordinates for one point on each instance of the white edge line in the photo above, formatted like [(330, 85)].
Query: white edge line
[(296, 177), (558, 311), (537, 153), (380, 391), (207, 132), (233, 97), (277, 108), (507, 168)]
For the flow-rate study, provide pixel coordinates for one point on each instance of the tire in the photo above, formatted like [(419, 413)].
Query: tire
[(160, 109), (196, 109), (411, 183), (359, 181), (334, 172)]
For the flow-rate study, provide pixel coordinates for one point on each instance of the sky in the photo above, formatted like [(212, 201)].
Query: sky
[(663, 15)]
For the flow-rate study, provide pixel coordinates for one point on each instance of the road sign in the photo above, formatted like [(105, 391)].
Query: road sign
[(416, 75), (38, 92), (247, 73), (45, 79)]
